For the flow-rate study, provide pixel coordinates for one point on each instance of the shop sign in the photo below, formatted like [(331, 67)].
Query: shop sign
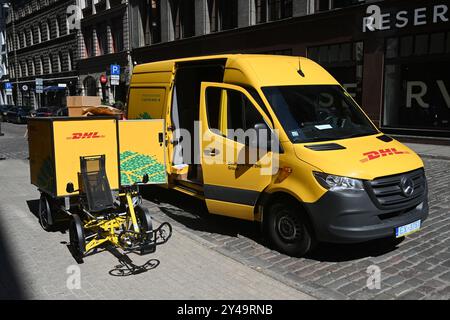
[(376, 20)]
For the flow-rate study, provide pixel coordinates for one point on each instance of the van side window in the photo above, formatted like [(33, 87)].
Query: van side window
[(241, 112), (213, 104)]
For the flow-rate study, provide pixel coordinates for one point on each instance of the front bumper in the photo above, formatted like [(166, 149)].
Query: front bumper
[(351, 217)]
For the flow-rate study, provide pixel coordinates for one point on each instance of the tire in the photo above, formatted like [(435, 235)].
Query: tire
[(144, 221), (288, 229), (76, 236), (46, 217)]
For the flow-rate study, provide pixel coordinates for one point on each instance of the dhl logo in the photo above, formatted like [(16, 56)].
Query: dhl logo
[(373, 155), (84, 135)]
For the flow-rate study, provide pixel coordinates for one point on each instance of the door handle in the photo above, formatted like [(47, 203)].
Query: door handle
[(212, 152)]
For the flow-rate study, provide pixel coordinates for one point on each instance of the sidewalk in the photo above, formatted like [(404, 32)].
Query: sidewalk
[(430, 150), (34, 263)]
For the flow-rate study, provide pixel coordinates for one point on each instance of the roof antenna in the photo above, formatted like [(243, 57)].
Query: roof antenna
[(300, 72)]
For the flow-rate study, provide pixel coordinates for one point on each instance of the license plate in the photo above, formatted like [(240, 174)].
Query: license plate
[(407, 229)]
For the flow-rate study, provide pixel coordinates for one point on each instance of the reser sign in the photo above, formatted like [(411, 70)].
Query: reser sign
[(376, 20)]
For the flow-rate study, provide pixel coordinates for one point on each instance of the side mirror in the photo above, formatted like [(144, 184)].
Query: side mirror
[(263, 136), (145, 178), (70, 188)]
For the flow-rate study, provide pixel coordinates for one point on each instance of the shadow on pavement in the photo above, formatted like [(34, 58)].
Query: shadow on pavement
[(126, 267), (192, 213), (11, 287), (331, 252), (62, 222)]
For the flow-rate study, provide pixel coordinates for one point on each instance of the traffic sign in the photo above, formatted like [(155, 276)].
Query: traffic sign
[(39, 85), (8, 86), (115, 70)]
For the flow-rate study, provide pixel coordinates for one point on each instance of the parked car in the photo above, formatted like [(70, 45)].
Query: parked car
[(4, 110), (43, 112), (18, 114)]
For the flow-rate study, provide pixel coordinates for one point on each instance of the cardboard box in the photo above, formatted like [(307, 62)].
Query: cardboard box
[(75, 104)]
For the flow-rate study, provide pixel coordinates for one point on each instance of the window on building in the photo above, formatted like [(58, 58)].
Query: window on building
[(50, 64), (261, 11), (70, 60), (145, 18), (345, 62), (88, 42), (102, 38), (30, 35), (155, 21), (38, 33), (12, 70), (279, 9), (58, 31), (47, 30), (33, 67), (117, 35), (213, 13), (228, 14), (59, 60), (24, 40), (183, 18), (222, 14), (324, 5), (417, 82), (41, 65)]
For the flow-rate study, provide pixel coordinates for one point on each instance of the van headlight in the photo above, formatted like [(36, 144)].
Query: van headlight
[(338, 183)]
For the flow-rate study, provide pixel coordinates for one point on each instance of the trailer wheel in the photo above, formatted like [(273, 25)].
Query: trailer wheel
[(46, 218), (145, 221), (76, 235), (288, 229)]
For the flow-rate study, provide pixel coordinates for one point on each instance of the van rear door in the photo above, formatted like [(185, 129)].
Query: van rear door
[(236, 166)]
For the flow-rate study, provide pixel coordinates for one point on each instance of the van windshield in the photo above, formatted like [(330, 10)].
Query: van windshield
[(313, 113)]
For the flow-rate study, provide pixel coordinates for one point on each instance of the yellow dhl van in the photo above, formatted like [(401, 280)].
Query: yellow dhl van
[(334, 177)]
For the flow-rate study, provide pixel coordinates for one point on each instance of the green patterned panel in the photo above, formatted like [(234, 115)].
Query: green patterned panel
[(133, 166)]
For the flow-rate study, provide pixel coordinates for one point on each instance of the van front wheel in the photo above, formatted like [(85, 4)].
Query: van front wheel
[(288, 229)]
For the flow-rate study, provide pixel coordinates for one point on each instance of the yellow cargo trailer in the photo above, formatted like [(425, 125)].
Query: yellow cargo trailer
[(91, 168)]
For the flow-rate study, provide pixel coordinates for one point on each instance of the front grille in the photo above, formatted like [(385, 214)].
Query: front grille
[(386, 192)]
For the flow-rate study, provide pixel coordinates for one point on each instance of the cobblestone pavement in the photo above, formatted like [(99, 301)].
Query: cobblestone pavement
[(35, 264), (13, 145), (417, 268)]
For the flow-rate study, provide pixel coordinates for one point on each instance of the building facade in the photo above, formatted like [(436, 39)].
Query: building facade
[(104, 42), (392, 55), (41, 45)]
